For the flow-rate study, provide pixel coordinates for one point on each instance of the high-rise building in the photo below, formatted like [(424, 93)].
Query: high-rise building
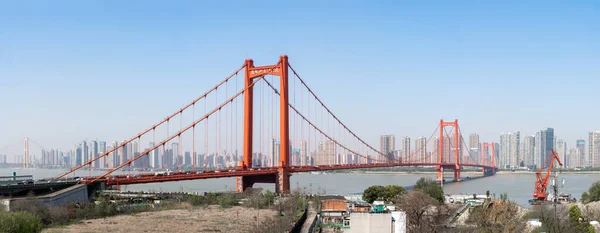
[(388, 146), (187, 158), (509, 150), (116, 156), (85, 150), (453, 147), (561, 151), (78, 155), (574, 157), (405, 156), (330, 151), (594, 149), (581, 147), (496, 152), (101, 151), (515, 158), (529, 150), (303, 153), (544, 143), (94, 153), (474, 140), (447, 148), (135, 152), (474, 146), (110, 158), (550, 142), (537, 154), (275, 150), (153, 158), (320, 155), (175, 156), (124, 153), (421, 148), (503, 161), (135, 149)]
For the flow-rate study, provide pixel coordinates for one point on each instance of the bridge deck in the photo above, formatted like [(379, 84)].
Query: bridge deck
[(196, 175)]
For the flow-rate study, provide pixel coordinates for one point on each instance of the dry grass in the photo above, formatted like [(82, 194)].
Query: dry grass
[(209, 219)]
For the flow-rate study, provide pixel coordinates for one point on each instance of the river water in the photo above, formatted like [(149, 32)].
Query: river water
[(519, 186)]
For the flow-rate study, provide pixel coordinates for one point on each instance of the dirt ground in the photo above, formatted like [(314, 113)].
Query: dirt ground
[(209, 219)]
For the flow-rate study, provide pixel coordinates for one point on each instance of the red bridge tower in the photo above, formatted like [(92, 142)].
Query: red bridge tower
[(282, 179)]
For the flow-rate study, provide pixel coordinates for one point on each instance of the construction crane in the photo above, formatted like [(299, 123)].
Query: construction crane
[(541, 183)]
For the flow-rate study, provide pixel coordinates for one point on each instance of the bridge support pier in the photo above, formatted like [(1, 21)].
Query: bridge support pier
[(455, 168), (281, 180), (489, 172), (244, 182), (457, 174)]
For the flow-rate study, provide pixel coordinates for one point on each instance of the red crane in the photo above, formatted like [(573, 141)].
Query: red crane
[(541, 183)]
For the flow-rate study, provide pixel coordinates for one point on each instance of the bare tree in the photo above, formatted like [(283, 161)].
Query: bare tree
[(424, 214), (555, 219), (499, 217)]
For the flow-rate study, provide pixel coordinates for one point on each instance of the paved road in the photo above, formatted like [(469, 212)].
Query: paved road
[(310, 218)]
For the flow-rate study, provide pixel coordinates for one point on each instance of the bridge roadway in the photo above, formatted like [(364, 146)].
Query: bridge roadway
[(195, 175)]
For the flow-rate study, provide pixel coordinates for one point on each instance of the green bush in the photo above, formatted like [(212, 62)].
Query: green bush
[(106, 208), (431, 187), (227, 200), (593, 194), (268, 198), (377, 192), (20, 222), (196, 200)]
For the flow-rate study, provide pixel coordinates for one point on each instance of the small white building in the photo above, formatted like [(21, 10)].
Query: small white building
[(394, 222)]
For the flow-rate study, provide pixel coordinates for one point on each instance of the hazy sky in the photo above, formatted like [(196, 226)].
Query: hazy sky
[(71, 70)]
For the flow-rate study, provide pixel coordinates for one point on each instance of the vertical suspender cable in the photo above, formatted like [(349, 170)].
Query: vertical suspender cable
[(167, 155), (236, 118), (205, 137), (155, 157), (193, 155), (217, 129), (179, 148), (271, 112), (262, 123), (227, 152)]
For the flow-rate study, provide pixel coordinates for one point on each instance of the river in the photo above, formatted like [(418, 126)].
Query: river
[(519, 186)]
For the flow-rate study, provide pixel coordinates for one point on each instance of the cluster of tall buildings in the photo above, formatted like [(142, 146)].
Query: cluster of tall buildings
[(421, 153), (165, 157), (511, 152), (323, 153), (3, 158), (172, 156), (533, 150)]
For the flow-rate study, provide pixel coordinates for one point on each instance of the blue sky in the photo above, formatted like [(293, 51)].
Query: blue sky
[(71, 70)]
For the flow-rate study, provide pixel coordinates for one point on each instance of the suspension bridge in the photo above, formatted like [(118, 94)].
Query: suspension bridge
[(279, 125)]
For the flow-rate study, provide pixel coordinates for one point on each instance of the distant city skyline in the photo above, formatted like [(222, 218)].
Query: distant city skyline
[(513, 151)]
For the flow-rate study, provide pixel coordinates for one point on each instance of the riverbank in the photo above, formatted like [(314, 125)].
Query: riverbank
[(193, 219)]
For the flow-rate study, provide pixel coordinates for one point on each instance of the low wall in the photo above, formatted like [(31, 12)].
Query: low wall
[(75, 193), (297, 228)]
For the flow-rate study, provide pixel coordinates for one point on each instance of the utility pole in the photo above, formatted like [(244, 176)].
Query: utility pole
[(555, 197), (442, 181)]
